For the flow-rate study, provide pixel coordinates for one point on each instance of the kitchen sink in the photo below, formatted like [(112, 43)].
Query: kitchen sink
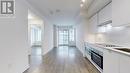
[(123, 49)]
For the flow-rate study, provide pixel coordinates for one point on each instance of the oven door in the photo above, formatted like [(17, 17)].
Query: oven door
[(98, 59)]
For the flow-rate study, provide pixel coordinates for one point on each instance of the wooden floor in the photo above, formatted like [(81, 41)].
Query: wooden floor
[(61, 60)]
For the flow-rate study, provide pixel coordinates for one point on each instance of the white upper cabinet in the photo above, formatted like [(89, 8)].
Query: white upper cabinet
[(120, 12), (93, 24), (105, 14)]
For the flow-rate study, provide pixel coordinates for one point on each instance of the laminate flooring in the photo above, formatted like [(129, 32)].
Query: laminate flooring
[(61, 60)]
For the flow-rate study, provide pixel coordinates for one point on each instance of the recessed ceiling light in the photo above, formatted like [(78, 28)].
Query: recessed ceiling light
[(81, 5), (83, 1)]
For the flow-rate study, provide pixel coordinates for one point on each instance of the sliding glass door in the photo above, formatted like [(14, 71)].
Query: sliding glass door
[(63, 37), (66, 37)]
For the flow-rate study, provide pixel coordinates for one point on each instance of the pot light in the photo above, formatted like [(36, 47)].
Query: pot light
[(81, 5), (83, 1)]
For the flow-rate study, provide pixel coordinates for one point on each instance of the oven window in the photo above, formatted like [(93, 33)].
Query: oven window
[(98, 59)]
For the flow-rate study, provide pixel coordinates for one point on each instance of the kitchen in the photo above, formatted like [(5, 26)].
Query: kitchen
[(107, 46), (78, 36)]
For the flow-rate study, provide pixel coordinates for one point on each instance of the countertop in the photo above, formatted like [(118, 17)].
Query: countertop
[(109, 48)]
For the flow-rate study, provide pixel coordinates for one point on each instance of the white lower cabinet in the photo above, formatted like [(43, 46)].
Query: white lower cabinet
[(124, 64), (114, 62), (110, 62)]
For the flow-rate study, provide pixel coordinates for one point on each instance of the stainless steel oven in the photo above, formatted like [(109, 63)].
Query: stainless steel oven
[(97, 58)]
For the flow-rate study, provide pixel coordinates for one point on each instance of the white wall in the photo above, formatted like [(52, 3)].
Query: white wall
[(81, 34), (47, 36), (13, 40)]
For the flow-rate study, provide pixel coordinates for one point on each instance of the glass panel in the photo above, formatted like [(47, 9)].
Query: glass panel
[(35, 35), (66, 36), (63, 37)]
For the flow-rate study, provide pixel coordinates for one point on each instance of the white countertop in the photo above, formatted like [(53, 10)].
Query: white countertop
[(110, 48)]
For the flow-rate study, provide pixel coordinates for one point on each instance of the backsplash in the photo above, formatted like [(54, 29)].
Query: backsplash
[(117, 36)]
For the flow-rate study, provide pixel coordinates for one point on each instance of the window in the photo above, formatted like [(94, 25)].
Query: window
[(35, 35)]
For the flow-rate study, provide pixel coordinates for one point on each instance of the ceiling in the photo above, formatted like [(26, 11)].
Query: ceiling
[(60, 12), (66, 12)]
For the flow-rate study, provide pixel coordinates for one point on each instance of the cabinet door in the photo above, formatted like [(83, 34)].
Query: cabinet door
[(93, 24), (124, 64), (105, 14), (87, 52), (110, 62), (120, 12)]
